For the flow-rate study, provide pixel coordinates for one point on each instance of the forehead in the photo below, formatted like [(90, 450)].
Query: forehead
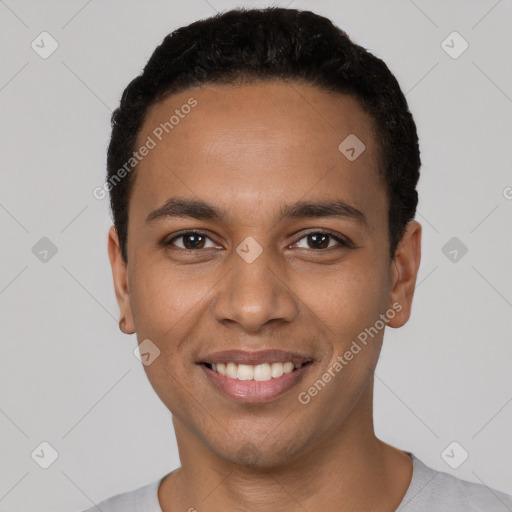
[(256, 143)]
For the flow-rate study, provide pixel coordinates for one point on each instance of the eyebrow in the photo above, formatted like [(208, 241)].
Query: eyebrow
[(202, 210)]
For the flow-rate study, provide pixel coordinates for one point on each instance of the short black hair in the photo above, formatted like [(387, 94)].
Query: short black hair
[(252, 45)]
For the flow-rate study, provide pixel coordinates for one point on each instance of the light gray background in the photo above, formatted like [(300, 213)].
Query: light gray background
[(69, 377)]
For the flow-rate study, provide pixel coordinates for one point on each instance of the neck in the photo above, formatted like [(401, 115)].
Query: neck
[(351, 470)]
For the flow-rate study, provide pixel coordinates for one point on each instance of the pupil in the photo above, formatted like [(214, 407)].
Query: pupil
[(319, 237), (194, 238)]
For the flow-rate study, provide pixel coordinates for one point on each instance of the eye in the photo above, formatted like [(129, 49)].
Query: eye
[(191, 240), (318, 240), (322, 240)]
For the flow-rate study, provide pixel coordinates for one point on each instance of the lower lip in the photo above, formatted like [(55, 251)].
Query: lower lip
[(252, 390)]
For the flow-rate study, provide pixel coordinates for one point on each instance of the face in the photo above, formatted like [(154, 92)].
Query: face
[(251, 232)]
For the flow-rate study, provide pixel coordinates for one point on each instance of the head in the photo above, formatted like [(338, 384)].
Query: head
[(243, 118)]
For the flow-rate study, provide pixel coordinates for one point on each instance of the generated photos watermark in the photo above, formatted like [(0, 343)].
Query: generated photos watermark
[(355, 348), (151, 142)]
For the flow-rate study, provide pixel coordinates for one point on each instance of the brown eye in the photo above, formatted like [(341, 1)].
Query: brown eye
[(191, 241), (318, 241), (321, 240)]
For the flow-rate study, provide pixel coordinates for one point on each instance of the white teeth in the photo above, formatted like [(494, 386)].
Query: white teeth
[(260, 372), (231, 370), (245, 372), (277, 370), (288, 367)]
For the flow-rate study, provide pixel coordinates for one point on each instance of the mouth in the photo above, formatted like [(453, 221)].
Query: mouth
[(255, 376)]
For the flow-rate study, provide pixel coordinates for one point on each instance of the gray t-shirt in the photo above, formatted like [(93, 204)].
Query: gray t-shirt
[(429, 491)]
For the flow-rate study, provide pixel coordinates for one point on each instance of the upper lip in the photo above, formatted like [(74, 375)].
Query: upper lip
[(255, 358)]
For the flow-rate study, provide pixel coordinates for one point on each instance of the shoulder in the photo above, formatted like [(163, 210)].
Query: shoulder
[(142, 499), (436, 491)]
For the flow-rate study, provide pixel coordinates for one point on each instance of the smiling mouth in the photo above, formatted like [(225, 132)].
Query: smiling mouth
[(258, 383), (254, 376), (260, 372)]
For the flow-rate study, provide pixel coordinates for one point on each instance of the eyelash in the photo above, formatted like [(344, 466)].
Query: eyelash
[(341, 241)]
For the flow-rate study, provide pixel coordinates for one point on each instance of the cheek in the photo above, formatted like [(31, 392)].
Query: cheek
[(348, 306), (346, 301), (163, 299), (171, 386), (165, 304)]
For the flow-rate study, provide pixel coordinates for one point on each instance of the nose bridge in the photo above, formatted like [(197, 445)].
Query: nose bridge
[(253, 293)]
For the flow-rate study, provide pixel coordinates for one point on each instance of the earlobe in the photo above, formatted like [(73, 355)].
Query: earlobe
[(406, 264), (120, 279), (122, 326)]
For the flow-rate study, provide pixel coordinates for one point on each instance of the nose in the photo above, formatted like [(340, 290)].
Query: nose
[(255, 295)]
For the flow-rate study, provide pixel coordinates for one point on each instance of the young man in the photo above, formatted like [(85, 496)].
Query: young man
[(262, 172)]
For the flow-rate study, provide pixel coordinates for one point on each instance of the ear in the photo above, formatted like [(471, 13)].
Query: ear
[(404, 271), (120, 276)]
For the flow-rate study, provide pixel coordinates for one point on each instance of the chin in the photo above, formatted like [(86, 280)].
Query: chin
[(261, 455), (250, 455)]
